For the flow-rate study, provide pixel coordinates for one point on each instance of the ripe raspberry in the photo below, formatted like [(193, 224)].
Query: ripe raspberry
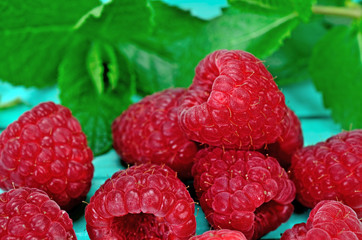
[(242, 190), (328, 220), (46, 149), (330, 170), (289, 142), (148, 131), (29, 213), (233, 102), (222, 234), (146, 201)]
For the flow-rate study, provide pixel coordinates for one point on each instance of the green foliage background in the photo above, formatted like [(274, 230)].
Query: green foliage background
[(102, 55)]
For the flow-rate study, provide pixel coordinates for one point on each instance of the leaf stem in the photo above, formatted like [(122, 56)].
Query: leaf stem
[(338, 11), (12, 103)]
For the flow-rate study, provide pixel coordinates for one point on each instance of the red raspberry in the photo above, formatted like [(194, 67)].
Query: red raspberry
[(330, 170), (146, 201), (289, 142), (242, 190), (29, 213), (46, 149), (328, 220), (222, 234), (233, 102), (148, 131)]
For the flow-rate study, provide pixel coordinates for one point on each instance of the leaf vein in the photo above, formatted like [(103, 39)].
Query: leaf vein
[(263, 30)]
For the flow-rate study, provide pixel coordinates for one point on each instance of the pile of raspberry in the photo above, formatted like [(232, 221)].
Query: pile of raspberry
[(225, 132), (230, 133)]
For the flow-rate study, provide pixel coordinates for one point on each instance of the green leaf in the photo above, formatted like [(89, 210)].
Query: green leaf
[(258, 33), (34, 36), (169, 55), (95, 66), (154, 71), (118, 21), (333, 2), (95, 110), (336, 69), (99, 54), (290, 63)]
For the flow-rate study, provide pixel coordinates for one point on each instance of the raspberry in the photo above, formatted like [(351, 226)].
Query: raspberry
[(328, 220), (242, 190), (29, 213), (289, 142), (46, 149), (233, 102), (222, 234), (330, 170), (146, 201), (148, 131)]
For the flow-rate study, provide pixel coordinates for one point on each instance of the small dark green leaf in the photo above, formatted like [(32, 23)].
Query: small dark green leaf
[(99, 55), (95, 110), (95, 66), (34, 35), (111, 58), (336, 69)]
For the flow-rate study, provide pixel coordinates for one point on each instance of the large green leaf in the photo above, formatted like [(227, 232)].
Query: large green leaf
[(95, 109), (336, 69), (290, 63), (168, 57), (34, 35)]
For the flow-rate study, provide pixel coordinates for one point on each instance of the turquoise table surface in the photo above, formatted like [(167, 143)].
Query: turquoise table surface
[(317, 126)]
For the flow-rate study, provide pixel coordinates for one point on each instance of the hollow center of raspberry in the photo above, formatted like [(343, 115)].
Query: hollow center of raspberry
[(140, 226), (269, 216)]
